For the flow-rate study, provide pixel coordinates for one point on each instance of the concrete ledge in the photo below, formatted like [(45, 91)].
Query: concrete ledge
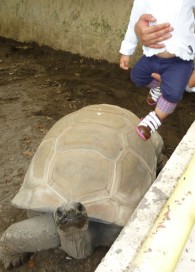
[(134, 233)]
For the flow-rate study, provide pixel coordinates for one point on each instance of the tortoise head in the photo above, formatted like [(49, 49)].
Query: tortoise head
[(72, 227), (70, 215)]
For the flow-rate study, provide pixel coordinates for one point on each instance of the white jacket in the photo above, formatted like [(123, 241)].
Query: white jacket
[(179, 13)]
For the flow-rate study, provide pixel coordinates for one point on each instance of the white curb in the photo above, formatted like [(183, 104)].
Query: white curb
[(133, 234)]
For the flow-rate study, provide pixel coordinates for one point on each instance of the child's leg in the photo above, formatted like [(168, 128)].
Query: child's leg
[(141, 72), (141, 76), (191, 82), (153, 96), (164, 108), (173, 85), (189, 88), (154, 119), (154, 92)]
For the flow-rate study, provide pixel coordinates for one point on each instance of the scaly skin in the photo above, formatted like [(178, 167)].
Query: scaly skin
[(68, 228), (31, 235)]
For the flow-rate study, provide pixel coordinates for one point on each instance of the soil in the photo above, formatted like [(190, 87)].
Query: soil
[(38, 86)]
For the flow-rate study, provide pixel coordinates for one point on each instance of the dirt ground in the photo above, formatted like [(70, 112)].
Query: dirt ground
[(37, 87)]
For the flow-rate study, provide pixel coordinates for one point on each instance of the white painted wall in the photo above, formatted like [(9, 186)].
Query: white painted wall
[(124, 249)]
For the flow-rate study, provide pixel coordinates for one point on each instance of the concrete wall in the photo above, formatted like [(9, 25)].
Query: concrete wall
[(88, 27)]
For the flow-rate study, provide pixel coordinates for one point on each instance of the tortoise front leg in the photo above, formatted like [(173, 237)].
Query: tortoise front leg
[(31, 235)]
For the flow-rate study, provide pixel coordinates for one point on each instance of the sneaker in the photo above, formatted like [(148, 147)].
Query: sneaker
[(148, 125), (153, 96)]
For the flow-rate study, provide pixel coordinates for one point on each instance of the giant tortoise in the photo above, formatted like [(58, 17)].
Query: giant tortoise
[(84, 182)]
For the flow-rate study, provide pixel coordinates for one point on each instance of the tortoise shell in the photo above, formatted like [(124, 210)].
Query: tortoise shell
[(93, 156)]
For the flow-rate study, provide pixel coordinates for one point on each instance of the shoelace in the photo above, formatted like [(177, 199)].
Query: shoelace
[(151, 121)]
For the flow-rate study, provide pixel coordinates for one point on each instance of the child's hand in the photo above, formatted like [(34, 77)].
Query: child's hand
[(124, 62)]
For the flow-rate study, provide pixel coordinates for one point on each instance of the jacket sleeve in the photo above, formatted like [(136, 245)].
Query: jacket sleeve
[(130, 41)]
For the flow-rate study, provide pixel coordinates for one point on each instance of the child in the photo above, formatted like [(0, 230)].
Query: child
[(191, 84), (189, 88), (174, 62)]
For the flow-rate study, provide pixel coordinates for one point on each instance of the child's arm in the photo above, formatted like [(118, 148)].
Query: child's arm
[(124, 62), (130, 41)]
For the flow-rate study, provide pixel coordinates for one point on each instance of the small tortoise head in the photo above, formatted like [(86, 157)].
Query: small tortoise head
[(70, 215)]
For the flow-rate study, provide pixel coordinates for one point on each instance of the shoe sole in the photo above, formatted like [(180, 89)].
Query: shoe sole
[(151, 104), (140, 134)]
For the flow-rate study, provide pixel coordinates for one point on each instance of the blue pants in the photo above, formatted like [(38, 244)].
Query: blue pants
[(174, 72)]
